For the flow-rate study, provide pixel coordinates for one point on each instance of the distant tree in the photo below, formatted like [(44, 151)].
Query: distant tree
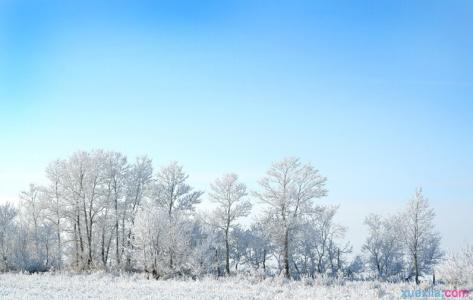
[(383, 247), (54, 204), (230, 195), (318, 247), (177, 199), (421, 240), (289, 189), (260, 247), (7, 216), (137, 188), (355, 268), (116, 166), (32, 213)]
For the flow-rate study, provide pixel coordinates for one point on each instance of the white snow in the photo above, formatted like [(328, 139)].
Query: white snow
[(107, 286)]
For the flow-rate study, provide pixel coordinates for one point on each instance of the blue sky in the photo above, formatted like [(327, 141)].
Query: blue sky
[(376, 94)]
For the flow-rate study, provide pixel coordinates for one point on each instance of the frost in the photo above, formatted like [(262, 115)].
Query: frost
[(107, 286)]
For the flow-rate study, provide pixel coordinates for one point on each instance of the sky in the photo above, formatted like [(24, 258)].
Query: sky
[(377, 95)]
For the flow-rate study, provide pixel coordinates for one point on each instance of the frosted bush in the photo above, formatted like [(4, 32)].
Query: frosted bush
[(457, 269)]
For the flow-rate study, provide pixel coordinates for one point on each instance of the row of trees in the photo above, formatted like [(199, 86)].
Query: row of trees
[(100, 211)]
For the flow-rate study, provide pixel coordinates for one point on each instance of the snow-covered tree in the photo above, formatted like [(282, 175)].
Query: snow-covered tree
[(318, 247), (457, 268), (32, 210), (383, 247), (230, 195), (176, 200), (54, 205), (7, 216), (421, 240), (288, 189), (138, 183)]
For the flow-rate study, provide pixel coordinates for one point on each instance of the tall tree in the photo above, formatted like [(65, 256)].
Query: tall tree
[(176, 198), (138, 180), (32, 211), (55, 203), (421, 240), (289, 189), (117, 170), (7, 215), (230, 195)]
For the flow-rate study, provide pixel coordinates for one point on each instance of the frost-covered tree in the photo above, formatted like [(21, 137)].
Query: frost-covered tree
[(176, 200), (229, 194), (7, 216), (32, 214), (116, 175), (355, 268), (288, 189), (54, 205), (260, 247), (35, 232), (421, 240), (138, 187), (318, 247), (252, 248), (383, 247), (457, 268)]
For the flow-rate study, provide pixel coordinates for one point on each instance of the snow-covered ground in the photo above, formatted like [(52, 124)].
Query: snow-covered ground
[(106, 286)]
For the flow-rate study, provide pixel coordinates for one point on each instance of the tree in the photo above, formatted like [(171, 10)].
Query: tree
[(289, 189), (32, 212), (457, 268), (177, 199), (230, 195), (421, 241), (318, 245), (383, 247), (7, 216), (54, 203), (139, 178), (117, 171), (258, 244)]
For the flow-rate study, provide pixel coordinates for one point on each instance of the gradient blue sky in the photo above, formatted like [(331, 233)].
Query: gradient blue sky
[(376, 94)]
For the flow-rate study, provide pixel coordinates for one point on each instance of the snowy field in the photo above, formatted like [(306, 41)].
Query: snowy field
[(105, 286)]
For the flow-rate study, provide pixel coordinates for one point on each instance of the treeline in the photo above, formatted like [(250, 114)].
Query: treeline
[(100, 211)]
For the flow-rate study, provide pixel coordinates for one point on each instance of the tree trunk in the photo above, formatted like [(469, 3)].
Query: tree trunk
[(287, 273), (416, 268), (264, 261), (216, 262), (76, 243), (81, 242), (130, 248), (102, 248), (59, 246), (227, 253), (117, 236)]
